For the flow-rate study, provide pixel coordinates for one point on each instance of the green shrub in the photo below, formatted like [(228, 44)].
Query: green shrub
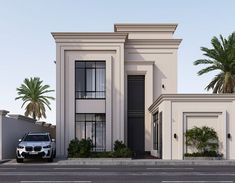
[(73, 150), (105, 154), (120, 150), (204, 139), (122, 153), (85, 148), (82, 149), (79, 149), (118, 145)]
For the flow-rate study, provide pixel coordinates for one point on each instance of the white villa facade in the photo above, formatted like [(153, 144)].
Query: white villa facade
[(122, 85)]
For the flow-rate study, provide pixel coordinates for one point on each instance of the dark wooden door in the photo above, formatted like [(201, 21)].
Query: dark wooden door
[(135, 107)]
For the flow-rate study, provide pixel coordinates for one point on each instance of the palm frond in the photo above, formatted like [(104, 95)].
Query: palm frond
[(220, 57), (32, 92)]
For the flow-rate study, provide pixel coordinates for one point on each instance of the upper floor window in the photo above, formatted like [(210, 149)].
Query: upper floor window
[(90, 79)]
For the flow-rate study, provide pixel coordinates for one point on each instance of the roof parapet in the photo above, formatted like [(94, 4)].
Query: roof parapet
[(145, 27), (146, 31), (192, 98), (89, 36)]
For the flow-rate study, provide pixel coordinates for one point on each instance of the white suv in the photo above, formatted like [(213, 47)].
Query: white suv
[(35, 145)]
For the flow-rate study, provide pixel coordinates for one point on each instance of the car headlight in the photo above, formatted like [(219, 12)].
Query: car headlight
[(20, 147), (48, 146)]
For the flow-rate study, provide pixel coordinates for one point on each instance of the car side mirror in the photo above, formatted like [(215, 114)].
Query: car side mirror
[(53, 140), (20, 140)]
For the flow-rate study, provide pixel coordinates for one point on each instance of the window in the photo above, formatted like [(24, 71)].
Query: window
[(90, 79), (91, 126), (36, 138), (155, 131)]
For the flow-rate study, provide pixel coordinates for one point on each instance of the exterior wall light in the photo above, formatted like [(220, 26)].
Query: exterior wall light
[(229, 136), (175, 136)]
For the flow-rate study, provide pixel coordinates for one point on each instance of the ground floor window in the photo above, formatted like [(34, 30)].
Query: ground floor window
[(155, 131), (91, 126)]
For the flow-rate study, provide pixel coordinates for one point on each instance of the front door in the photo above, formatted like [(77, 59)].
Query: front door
[(135, 107)]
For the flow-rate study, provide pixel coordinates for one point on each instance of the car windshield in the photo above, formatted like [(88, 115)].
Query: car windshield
[(36, 138)]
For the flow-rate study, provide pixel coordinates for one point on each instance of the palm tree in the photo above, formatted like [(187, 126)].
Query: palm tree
[(32, 93), (221, 58)]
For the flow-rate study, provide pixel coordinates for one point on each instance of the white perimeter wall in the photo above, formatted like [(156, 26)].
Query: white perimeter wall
[(12, 129)]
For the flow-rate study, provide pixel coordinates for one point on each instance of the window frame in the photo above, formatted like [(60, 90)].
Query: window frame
[(156, 131), (94, 148), (86, 92)]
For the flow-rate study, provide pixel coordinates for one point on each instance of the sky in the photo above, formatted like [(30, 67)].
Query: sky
[(27, 48)]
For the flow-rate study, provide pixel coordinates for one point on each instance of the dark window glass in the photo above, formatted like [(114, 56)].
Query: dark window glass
[(80, 130), (100, 65), (36, 138), (80, 117), (80, 65), (90, 64), (80, 78), (90, 117), (90, 79), (155, 131), (100, 135), (100, 79), (91, 126)]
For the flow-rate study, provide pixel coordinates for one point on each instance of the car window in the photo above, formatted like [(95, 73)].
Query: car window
[(36, 138)]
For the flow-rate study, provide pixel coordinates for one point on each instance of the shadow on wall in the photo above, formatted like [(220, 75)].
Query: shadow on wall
[(13, 127)]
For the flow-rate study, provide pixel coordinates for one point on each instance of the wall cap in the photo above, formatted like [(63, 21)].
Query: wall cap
[(3, 112), (122, 27), (21, 117), (192, 98), (89, 36)]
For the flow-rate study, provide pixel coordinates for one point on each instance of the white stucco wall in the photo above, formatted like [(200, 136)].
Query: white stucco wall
[(89, 46), (13, 128), (132, 49), (183, 111)]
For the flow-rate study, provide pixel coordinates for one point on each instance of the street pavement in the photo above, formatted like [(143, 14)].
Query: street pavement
[(38, 171)]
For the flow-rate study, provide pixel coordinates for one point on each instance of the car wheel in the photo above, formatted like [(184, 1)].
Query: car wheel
[(51, 158), (19, 160)]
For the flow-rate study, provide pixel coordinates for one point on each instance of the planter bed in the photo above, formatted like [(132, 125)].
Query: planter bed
[(203, 158)]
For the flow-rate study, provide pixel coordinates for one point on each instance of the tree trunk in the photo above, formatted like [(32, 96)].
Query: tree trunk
[(34, 115)]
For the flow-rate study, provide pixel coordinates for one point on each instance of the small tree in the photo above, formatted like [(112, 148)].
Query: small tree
[(204, 139), (33, 94), (221, 58)]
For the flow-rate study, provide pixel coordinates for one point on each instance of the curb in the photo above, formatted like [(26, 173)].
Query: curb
[(151, 162), (4, 161)]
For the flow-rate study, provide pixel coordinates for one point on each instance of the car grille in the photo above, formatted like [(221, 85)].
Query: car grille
[(28, 148), (37, 148)]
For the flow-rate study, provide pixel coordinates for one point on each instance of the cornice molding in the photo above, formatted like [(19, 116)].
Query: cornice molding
[(145, 27), (192, 98), (89, 36), (154, 42)]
